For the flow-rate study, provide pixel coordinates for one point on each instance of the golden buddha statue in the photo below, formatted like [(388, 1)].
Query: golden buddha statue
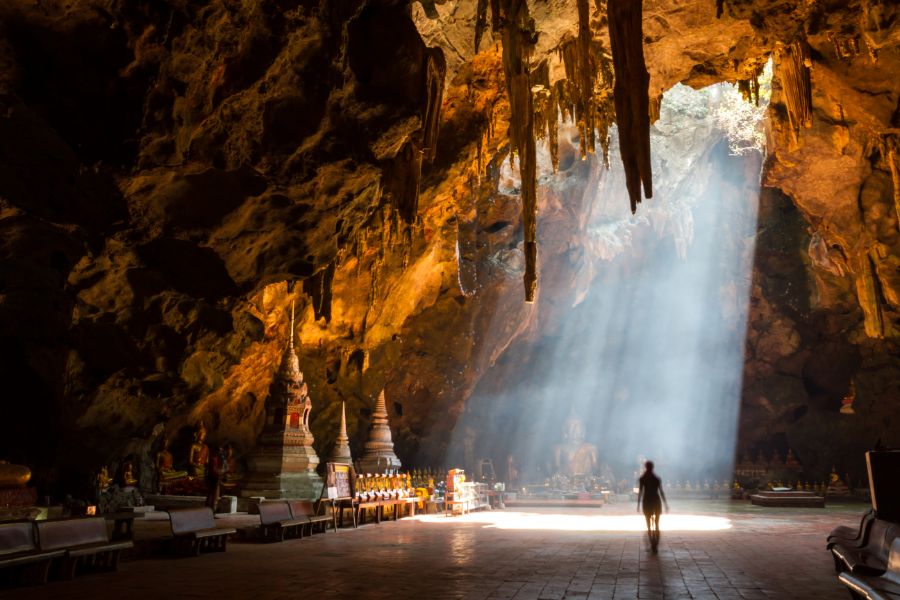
[(128, 478), (102, 480), (13, 476), (165, 470), (575, 456), (199, 454)]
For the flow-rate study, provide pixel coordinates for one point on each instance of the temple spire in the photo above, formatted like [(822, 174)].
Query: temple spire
[(341, 453), (291, 332), (378, 454)]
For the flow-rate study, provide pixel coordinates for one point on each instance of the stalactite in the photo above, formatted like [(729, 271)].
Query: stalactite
[(586, 74), (869, 297), (794, 71), (720, 8), (318, 287), (404, 171), (631, 94), (655, 107), (887, 147), (518, 37), (546, 112), (585, 96), (435, 71), (480, 22)]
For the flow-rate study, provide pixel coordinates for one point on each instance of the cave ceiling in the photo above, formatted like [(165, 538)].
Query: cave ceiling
[(173, 175)]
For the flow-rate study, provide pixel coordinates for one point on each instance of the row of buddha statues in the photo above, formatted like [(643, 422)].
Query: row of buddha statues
[(204, 467), (418, 483), (760, 466), (201, 466)]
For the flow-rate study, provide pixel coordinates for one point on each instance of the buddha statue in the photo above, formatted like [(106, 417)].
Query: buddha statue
[(103, 480), (199, 454), (232, 477), (165, 471), (13, 476), (836, 486), (128, 478), (575, 457)]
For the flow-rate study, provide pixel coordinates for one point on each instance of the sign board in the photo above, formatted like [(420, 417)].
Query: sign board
[(338, 481)]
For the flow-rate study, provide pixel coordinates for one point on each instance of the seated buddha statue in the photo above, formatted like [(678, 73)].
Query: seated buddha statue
[(232, 477), (198, 458), (13, 476), (128, 478), (165, 471), (836, 486), (575, 457), (103, 480)]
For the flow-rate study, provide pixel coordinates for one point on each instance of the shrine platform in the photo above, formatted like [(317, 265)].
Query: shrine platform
[(709, 549)]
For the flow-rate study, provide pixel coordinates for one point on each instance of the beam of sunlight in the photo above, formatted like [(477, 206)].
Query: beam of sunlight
[(648, 353), (574, 522)]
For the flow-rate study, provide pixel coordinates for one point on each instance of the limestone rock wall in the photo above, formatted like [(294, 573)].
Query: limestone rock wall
[(173, 175)]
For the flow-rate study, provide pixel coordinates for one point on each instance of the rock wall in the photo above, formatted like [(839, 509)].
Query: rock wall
[(173, 176)]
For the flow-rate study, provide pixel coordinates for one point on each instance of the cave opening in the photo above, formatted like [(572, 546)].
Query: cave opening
[(645, 359)]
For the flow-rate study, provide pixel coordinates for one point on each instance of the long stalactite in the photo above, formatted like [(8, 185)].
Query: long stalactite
[(631, 96), (518, 37), (793, 65)]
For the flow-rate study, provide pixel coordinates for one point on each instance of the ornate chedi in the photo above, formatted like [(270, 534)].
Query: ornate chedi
[(341, 453), (283, 464), (378, 453)]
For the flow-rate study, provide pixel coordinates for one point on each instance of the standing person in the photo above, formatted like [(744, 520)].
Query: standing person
[(651, 492)]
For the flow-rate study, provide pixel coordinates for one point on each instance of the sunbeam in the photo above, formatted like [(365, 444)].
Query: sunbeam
[(649, 359)]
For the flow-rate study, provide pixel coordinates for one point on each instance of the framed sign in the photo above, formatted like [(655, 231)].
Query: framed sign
[(338, 481)]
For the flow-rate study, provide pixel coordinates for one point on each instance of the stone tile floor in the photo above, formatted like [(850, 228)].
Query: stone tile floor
[(525, 554)]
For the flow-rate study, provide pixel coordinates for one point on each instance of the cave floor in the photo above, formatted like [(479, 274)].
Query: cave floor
[(522, 554)]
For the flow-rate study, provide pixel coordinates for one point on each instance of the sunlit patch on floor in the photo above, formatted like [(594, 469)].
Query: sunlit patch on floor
[(575, 522)]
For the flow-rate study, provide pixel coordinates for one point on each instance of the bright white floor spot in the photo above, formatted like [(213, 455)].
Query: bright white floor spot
[(580, 522)]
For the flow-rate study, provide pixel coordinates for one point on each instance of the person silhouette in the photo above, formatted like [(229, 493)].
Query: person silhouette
[(651, 493)]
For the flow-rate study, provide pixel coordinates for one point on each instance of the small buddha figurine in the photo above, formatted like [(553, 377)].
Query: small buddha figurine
[(232, 477), (128, 478), (102, 480), (199, 454)]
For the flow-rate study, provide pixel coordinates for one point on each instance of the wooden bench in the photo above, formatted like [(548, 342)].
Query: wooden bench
[(882, 587), (871, 557), (85, 541), (195, 529), (847, 535), (277, 522), (20, 559), (304, 509)]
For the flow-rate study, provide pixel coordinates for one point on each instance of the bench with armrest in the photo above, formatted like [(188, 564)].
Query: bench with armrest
[(877, 587), (304, 509), (20, 559), (277, 522), (852, 536), (195, 529), (85, 541), (870, 558)]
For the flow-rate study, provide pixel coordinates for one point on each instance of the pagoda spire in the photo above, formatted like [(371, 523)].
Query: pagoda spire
[(341, 453), (378, 453)]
